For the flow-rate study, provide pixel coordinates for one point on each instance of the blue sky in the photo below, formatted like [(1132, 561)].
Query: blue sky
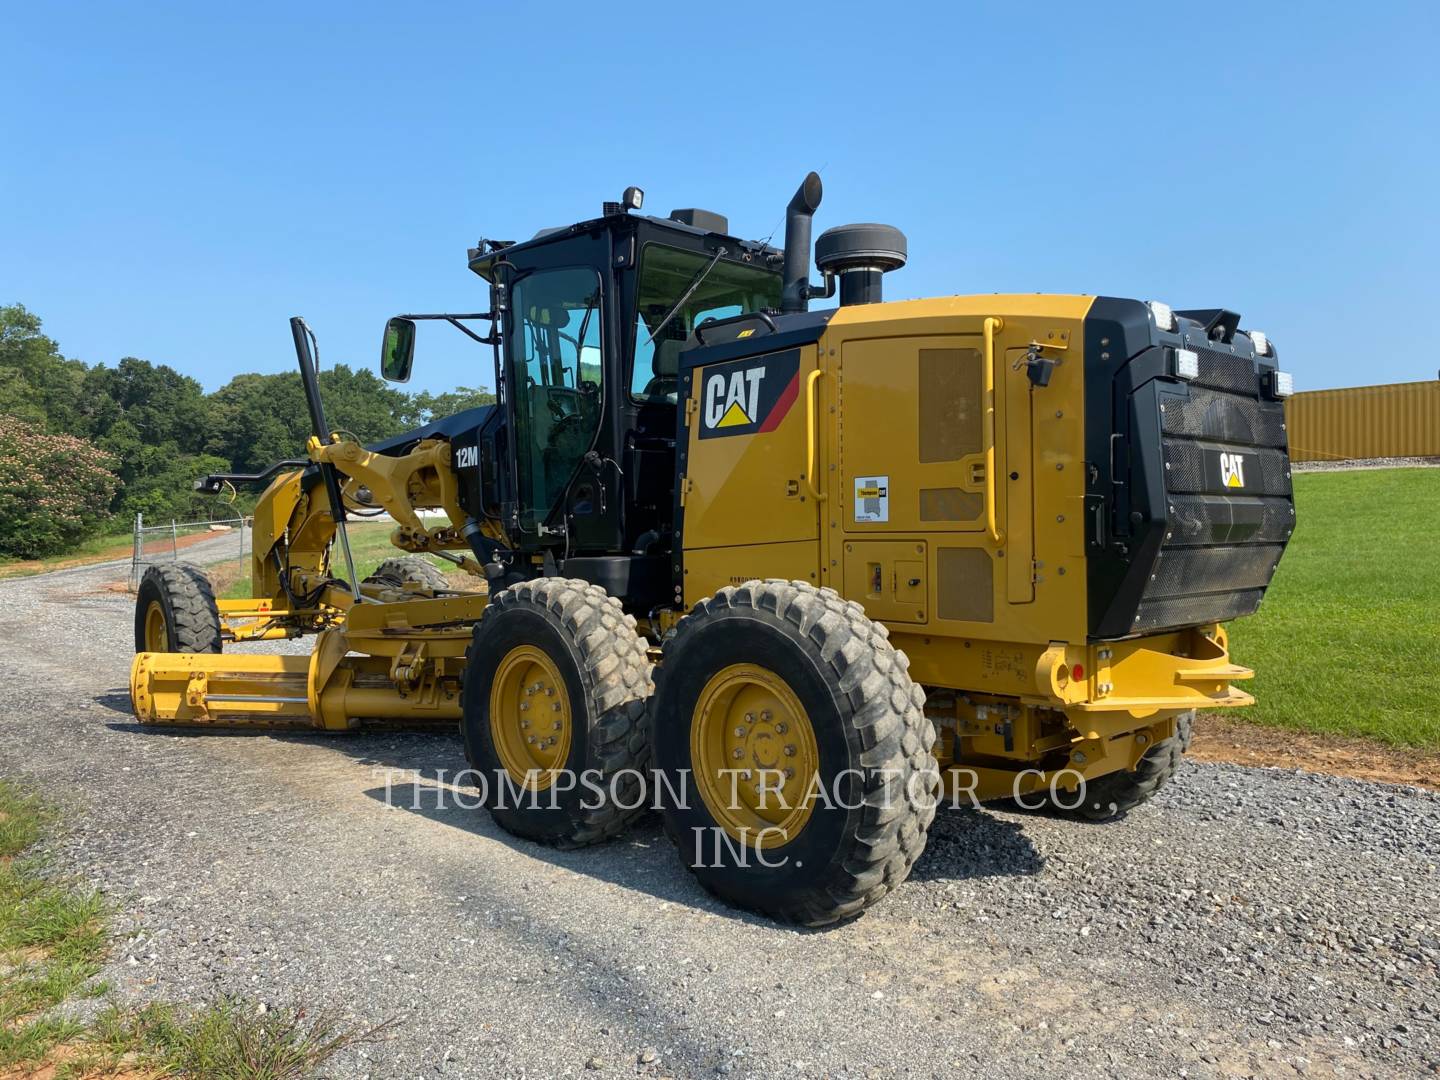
[(177, 180)]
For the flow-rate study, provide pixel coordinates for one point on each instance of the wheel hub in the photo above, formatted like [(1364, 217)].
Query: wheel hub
[(530, 717), (755, 755), (157, 635)]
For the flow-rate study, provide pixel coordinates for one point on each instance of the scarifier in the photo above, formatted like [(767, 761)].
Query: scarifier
[(803, 571)]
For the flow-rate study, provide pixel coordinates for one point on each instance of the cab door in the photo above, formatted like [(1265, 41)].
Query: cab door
[(556, 372)]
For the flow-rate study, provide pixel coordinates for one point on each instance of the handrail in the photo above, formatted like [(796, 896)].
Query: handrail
[(993, 324), (810, 381)]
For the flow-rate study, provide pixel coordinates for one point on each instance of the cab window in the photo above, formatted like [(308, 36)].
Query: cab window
[(555, 379), (665, 274)]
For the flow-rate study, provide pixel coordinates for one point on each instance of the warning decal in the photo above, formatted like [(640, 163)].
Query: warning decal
[(746, 397), (872, 498)]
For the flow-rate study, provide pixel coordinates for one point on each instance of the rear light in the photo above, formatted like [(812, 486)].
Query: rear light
[(1162, 313), (1187, 363)]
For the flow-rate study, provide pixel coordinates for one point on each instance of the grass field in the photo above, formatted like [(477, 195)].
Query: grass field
[(115, 545), (369, 545), (1347, 641)]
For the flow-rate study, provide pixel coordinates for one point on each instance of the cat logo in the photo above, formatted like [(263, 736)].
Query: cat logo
[(746, 397), (1232, 470)]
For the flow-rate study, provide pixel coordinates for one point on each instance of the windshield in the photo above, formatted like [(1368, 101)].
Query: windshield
[(665, 273)]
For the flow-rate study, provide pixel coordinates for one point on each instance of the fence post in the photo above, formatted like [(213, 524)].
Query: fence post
[(137, 553), (174, 542)]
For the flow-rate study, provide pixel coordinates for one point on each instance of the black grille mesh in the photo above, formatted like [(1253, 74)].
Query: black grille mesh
[(1267, 472), (1224, 418), (1182, 571), (1220, 519), (1195, 610), (1226, 371)]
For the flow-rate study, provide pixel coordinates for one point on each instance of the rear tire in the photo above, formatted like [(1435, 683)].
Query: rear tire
[(556, 685), (175, 611), (1116, 794), (409, 570), (806, 684)]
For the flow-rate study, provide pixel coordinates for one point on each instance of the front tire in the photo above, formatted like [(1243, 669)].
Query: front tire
[(175, 611), (556, 685), (792, 688), (409, 570)]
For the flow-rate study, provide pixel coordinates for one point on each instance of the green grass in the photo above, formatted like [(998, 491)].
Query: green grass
[(1347, 641), (53, 942), (115, 545), (52, 935), (369, 547)]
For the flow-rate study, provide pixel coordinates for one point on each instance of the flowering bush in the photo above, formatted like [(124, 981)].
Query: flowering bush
[(54, 489)]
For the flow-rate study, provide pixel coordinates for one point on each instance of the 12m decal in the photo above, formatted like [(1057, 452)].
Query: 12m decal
[(746, 397)]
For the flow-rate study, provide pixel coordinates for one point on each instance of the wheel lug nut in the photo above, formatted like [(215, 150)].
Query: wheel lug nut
[(789, 751), (555, 707), (749, 718), (524, 705), (738, 754), (524, 723), (745, 775), (557, 725), (739, 732), (764, 714), (789, 774), (530, 738), (781, 728)]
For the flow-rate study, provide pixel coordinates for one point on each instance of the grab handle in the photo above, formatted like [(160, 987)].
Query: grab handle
[(993, 324), (810, 381)]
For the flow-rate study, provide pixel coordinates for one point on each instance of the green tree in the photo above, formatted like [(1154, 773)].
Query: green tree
[(37, 383), (425, 406)]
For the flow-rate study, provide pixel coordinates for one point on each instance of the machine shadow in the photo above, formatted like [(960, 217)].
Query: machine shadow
[(969, 844), (964, 845)]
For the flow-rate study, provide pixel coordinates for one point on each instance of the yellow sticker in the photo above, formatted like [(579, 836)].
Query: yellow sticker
[(744, 333)]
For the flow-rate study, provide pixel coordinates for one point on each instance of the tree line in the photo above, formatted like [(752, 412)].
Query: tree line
[(84, 447)]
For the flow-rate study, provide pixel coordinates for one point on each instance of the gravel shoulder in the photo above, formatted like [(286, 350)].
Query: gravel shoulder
[(1248, 922)]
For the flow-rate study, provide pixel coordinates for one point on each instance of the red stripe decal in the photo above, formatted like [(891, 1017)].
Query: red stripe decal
[(782, 405)]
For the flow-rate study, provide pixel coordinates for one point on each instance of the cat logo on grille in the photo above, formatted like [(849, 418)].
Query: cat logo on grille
[(1232, 470)]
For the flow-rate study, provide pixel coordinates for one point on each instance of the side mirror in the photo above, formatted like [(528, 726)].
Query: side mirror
[(397, 352)]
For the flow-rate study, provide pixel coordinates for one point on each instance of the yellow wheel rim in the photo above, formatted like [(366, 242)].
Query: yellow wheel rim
[(755, 756), (157, 636), (530, 717)]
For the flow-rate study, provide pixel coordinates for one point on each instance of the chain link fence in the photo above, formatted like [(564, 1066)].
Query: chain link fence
[(163, 543)]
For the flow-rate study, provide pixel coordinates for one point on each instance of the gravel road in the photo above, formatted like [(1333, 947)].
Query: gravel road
[(1249, 922)]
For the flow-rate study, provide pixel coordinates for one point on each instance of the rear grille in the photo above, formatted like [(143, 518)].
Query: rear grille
[(1226, 371), (1183, 571), (1192, 467), (1220, 519), (1195, 610), (1229, 510), (1224, 418)]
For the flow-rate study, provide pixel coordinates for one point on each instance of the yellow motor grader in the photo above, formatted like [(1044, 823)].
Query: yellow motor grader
[(796, 574)]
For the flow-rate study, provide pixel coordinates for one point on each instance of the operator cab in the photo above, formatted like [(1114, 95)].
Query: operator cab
[(577, 464)]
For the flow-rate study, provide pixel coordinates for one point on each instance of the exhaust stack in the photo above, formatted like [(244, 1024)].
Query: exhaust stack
[(795, 295)]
